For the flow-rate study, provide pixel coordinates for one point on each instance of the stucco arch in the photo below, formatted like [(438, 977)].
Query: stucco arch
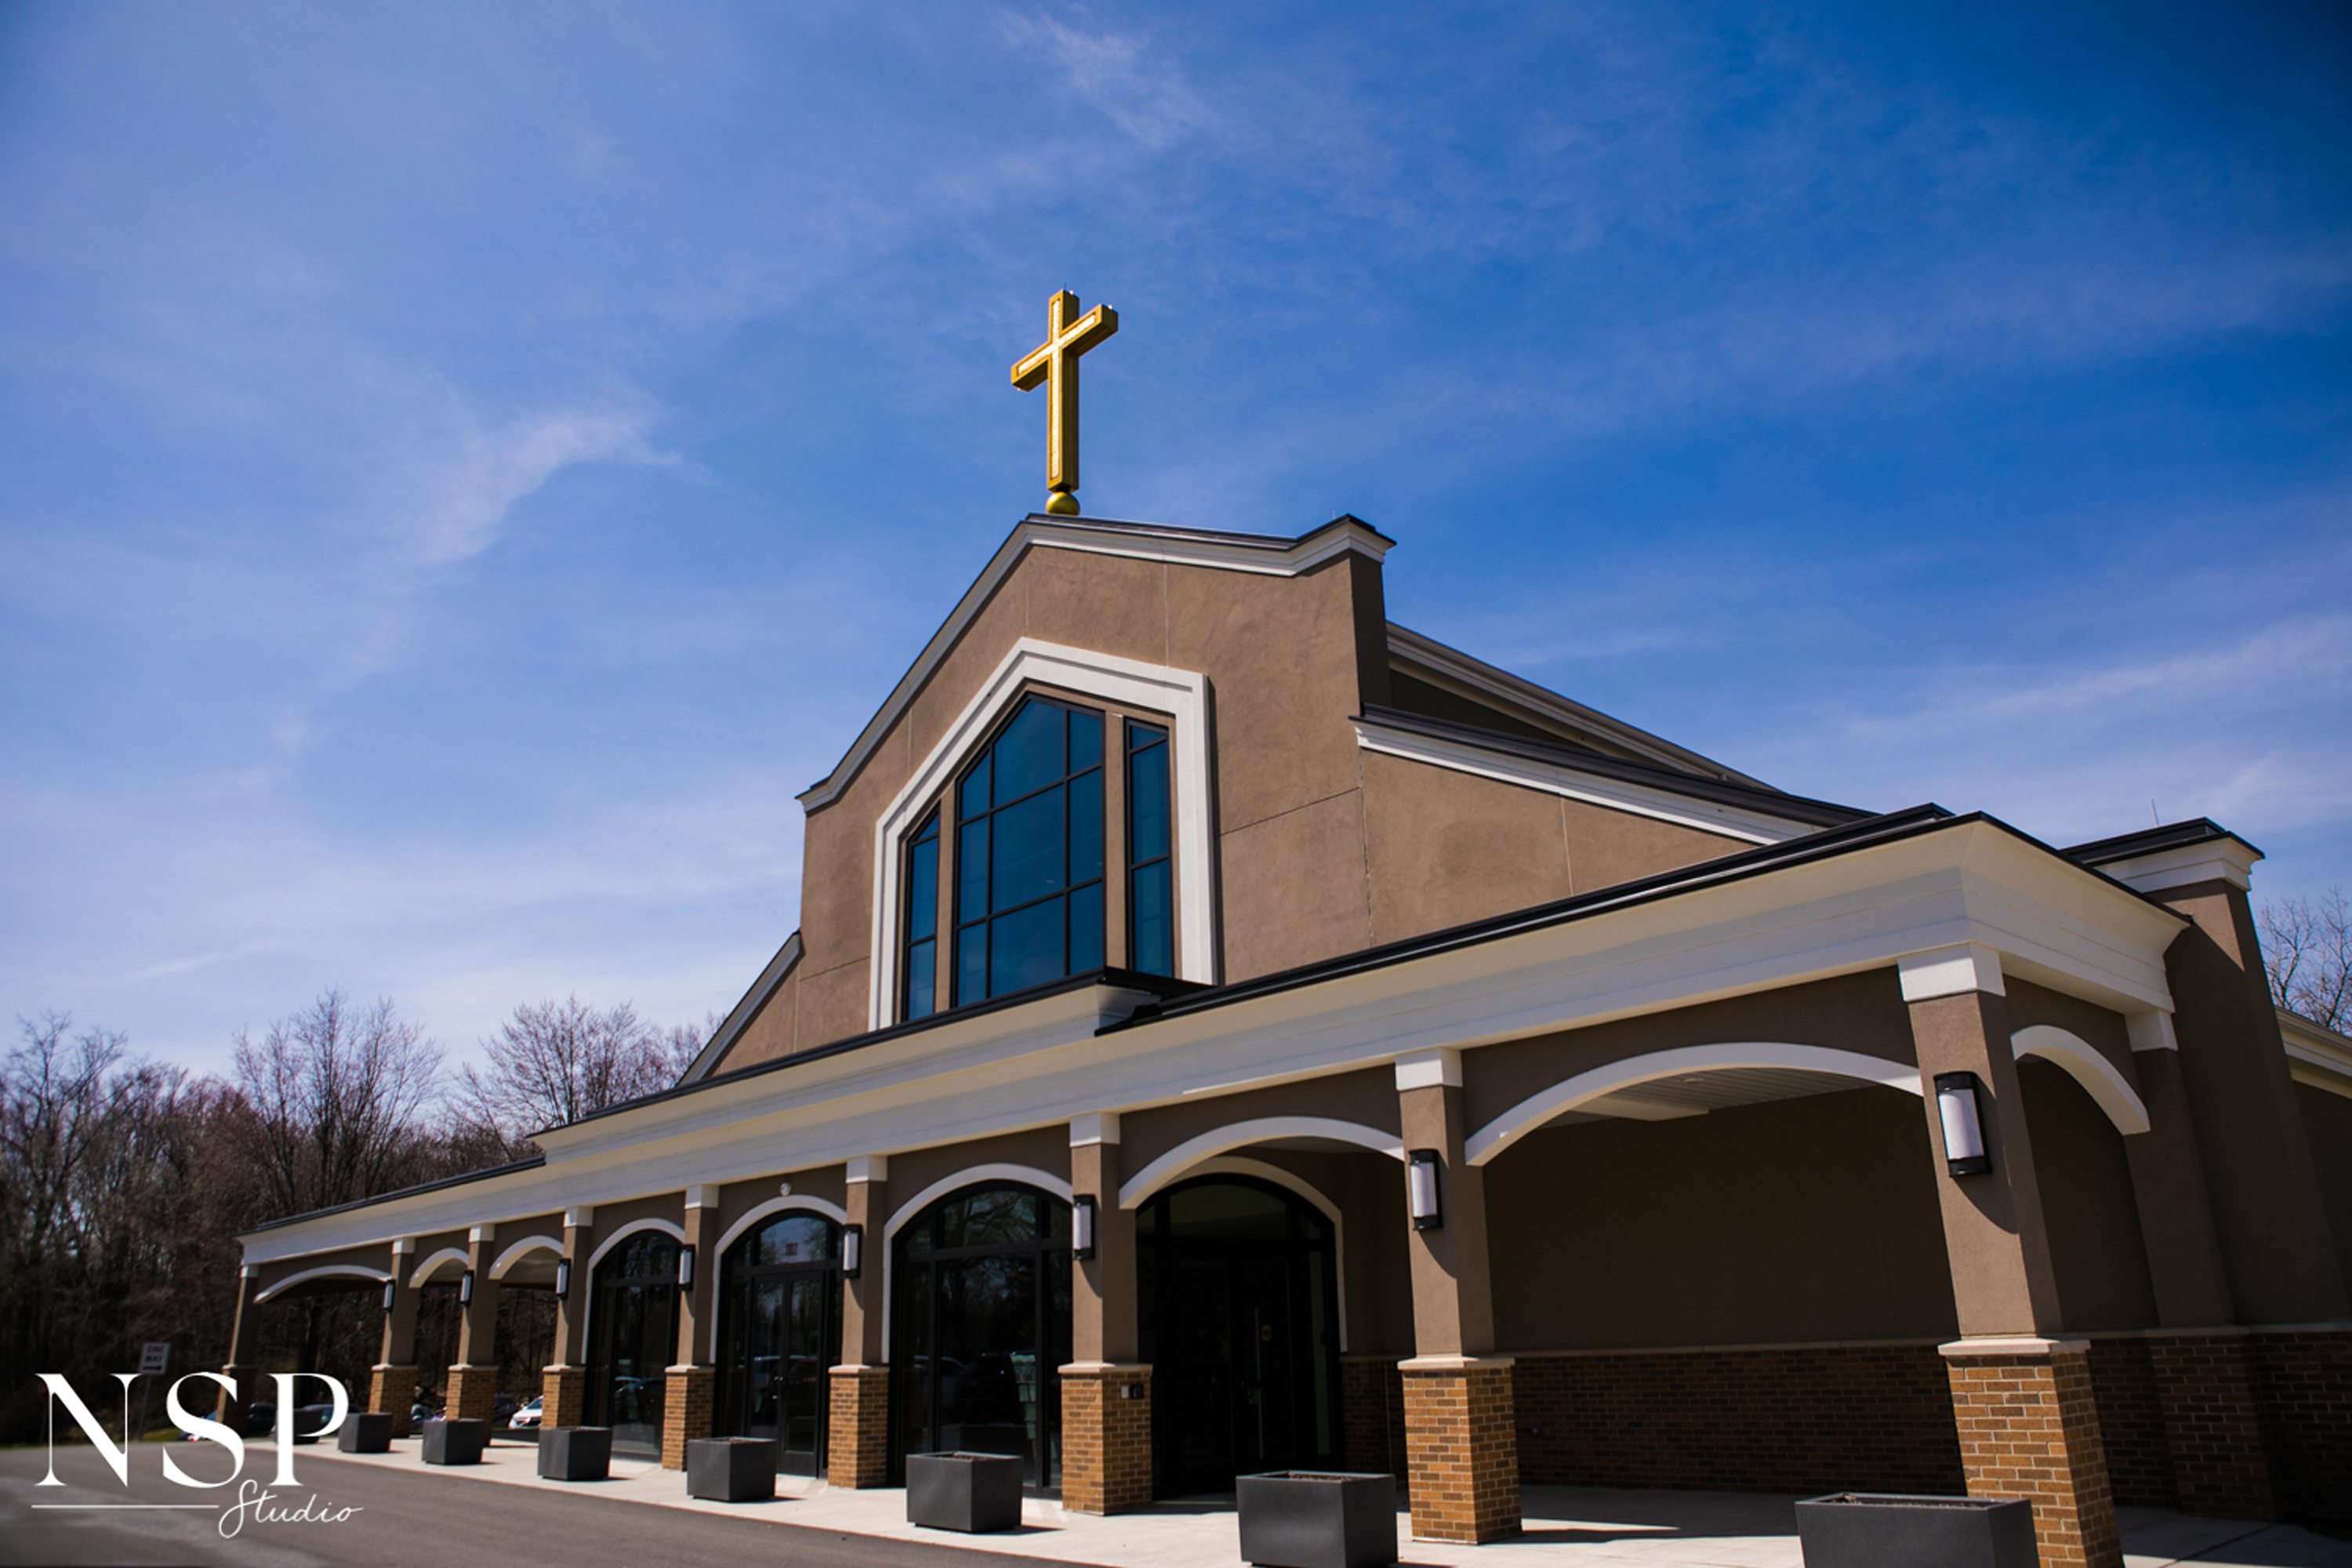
[(1596, 1083), (2087, 1066), (522, 1249), (1181, 1160), (423, 1272), (325, 1272)]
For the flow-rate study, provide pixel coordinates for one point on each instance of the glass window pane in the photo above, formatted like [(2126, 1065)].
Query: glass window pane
[(1026, 948), (972, 798), (1147, 804), (1085, 827), (922, 979), (972, 964), (972, 870), (1155, 936), (1029, 755), (1085, 738), (1028, 850), (1086, 928), (1139, 735), (923, 886)]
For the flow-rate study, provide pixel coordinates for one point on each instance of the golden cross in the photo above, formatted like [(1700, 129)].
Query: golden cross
[(1054, 361)]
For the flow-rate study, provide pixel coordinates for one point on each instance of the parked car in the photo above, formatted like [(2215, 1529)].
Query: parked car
[(502, 1409), (527, 1417), (310, 1422), (426, 1409)]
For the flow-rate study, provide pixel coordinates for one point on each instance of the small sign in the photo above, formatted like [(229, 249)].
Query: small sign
[(154, 1356)]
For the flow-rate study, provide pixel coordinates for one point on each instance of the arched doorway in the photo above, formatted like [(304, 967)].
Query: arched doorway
[(1238, 1287), (633, 1338), (979, 1316), (779, 1330)]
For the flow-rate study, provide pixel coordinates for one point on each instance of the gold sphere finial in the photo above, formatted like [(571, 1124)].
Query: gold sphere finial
[(1063, 504)]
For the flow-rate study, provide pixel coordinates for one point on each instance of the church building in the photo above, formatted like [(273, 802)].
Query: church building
[(1230, 1031)]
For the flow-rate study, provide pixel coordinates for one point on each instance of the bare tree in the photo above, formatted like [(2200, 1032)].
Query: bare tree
[(554, 1062), (2308, 953), (336, 1095)]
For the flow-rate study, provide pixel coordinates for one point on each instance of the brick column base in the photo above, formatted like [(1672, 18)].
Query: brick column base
[(2304, 1375), (2028, 1427), (1106, 1436), (473, 1393), (391, 1391), (1371, 1415), (562, 1396), (857, 1441), (2212, 1423), (686, 1405), (1462, 1448)]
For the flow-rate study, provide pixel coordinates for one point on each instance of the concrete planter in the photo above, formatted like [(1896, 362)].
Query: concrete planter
[(731, 1469), (972, 1492), (365, 1432), (1862, 1530), (454, 1442), (575, 1453), (1316, 1519)]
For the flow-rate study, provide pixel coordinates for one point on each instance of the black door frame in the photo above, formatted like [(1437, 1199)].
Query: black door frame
[(601, 1290), (736, 1286), (1156, 1304)]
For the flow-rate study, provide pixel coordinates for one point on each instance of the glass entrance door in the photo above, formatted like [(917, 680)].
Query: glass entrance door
[(1241, 1325), (633, 1340), (780, 1334)]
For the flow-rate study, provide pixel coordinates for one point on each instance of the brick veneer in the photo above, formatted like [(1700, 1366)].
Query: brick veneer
[(2131, 1423), (1106, 1438), (2213, 1423), (563, 1396), (2028, 1427), (1774, 1419), (1371, 1415), (391, 1391), (687, 1399), (473, 1392), (1462, 1449), (857, 1443), (2304, 1377)]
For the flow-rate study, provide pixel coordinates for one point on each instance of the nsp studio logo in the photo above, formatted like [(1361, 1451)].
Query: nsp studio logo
[(254, 1500)]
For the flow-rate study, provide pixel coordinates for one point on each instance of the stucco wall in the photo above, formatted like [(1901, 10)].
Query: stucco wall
[(2328, 1121)]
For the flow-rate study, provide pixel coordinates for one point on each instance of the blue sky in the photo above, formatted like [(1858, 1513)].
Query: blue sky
[(463, 470)]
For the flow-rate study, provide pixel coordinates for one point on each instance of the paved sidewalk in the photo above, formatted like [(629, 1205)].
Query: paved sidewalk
[(1570, 1526)]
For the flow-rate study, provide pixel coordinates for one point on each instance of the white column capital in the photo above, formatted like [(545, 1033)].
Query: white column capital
[(403, 1246), (1094, 1127), (2151, 1031), (1953, 971), (701, 1196), (870, 1168), (1440, 1068), (579, 1218), (482, 1233)]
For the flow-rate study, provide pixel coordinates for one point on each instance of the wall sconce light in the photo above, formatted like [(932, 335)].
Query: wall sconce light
[(853, 1249), (390, 1289), (562, 1279), (1082, 1226), (686, 1269), (465, 1288), (1421, 1190), (1959, 1105)]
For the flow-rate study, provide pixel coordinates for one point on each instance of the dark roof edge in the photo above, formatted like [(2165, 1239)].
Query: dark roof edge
[(1763, 797), (457, 1181), (2149, 840), (731, 1029)]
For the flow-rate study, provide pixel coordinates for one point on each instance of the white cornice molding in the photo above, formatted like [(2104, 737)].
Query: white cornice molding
[(1181, 694), (1093, 1127), (1036, 1065), (1429, 1069), (1951, 971), (862, 1169), (2317, 1056), (1575, 783), (2225, 860), (1223, 554), (1428, 659)]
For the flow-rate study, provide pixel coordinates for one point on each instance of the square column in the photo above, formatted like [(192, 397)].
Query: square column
[(392, 1381), (474, 1380), (2022, 1401), (238, 1407), (564, 1383), (689, 1402), (1106, 1390), (857, 1441), (1462, 1453)]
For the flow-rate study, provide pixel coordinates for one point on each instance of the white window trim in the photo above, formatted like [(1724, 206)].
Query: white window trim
[(1181, 694)]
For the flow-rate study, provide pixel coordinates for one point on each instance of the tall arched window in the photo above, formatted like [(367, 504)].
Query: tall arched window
[(1029, 853)]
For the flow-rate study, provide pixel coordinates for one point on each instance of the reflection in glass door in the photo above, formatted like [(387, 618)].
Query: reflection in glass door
[(633, 1340), (778, 1334)]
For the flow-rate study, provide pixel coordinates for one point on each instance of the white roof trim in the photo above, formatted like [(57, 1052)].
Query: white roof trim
[(2225, 860), (1426, 657), (1222, 553), (2316, 1055), (1597, 789)]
